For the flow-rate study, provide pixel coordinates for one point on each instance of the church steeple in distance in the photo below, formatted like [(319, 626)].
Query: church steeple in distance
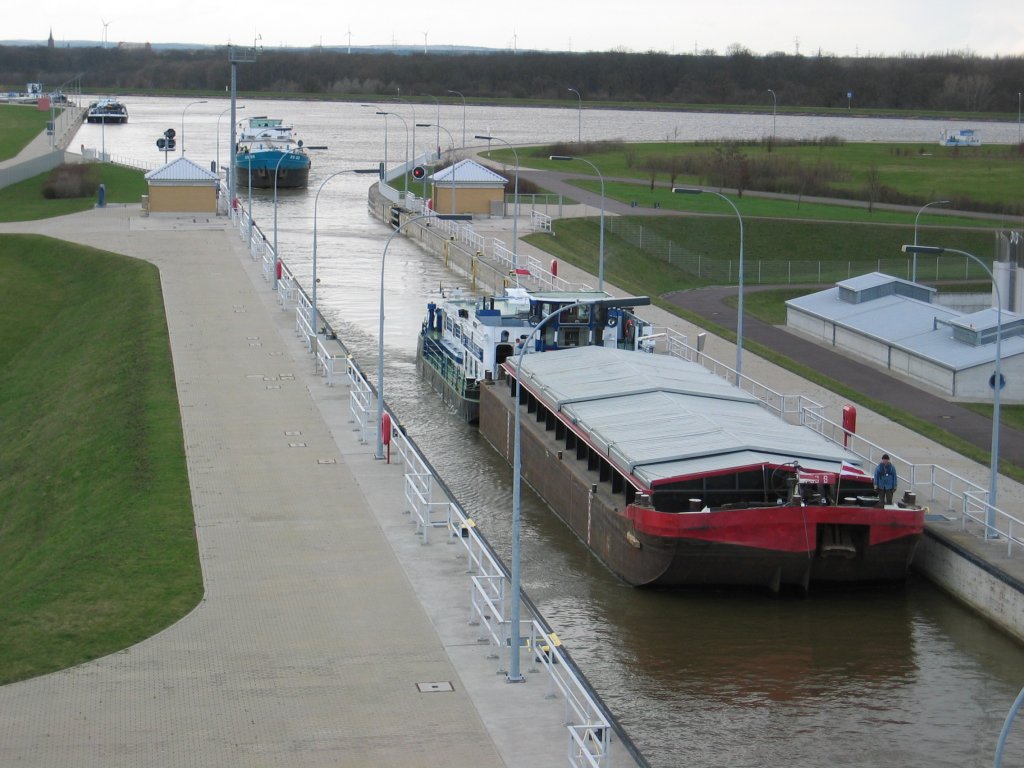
[(49, 42)]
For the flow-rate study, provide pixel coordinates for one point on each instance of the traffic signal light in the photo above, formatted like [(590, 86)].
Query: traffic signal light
[(419, 172)]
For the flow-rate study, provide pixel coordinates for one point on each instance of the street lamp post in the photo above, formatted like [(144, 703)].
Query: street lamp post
[(775, 106), (277, 167), (427, 125), (313, 318), (183, 123), (997, 380), (380, 331), (739, 304), (463, 115), (413, 110), (1019, 141), (913, 269), (600, 249), (514, 675), (248, 161), (437, 123), (515, 192), (406, 126), (579, 117), (218, 133)]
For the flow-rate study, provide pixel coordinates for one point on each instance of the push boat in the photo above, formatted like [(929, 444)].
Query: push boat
[(107, 111), (267, 147), (465, 339), (675, 478)]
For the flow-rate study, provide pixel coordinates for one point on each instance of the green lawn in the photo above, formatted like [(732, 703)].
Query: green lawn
[(989, 175), (19, 124), (25, 202), (97, 536), (671, 253)]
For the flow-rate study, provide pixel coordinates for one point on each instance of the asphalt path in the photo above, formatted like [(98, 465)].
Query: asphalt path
[(873, 382)]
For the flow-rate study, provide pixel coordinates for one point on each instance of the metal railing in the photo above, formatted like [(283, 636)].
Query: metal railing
[(432, 507), (645, 237), (540, 222), (955, 494), (362, 403)]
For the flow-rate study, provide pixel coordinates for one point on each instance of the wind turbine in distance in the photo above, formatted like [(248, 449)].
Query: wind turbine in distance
[(105, 25)]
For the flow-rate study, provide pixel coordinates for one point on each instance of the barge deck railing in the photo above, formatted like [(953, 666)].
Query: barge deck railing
[(958, 496)]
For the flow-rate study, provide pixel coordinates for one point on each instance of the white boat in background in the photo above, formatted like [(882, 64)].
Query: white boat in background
[(965, 137)]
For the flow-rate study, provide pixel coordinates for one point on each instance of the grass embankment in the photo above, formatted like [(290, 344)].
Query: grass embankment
[(97, 536), (20, 124), (984, 177)]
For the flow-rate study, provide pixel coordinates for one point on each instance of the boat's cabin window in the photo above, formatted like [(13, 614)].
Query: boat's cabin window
[(504, 335)]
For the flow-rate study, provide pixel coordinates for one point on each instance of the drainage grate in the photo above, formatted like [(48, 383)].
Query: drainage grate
[(442, 687), (292, 433), (296, 445), (326, 461)]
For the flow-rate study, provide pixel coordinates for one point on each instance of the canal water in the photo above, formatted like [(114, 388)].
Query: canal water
[(877, 677)]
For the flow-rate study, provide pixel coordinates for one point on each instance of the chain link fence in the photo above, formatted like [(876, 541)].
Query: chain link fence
[(787, 271)]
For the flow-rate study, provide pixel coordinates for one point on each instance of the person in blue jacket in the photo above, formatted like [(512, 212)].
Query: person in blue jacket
[(885, 480)]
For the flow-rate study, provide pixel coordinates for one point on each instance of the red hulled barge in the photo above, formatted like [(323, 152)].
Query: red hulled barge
[(673, 477)]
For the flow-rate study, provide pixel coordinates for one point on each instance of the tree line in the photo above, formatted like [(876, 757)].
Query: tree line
[(952, 82)]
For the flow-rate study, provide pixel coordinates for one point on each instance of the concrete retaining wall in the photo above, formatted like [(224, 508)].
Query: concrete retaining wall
[(978, 583), (26, 169)]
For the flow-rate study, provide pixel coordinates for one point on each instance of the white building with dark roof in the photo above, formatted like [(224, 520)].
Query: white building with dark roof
[(895, 325)]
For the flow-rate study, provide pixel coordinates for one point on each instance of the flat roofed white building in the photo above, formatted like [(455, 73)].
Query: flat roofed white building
[(893, 324)]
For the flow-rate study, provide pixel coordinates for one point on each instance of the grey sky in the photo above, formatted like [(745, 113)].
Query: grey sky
[(867, 27)]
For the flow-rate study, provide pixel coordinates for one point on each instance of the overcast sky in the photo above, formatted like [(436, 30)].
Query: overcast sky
[(866, 27)]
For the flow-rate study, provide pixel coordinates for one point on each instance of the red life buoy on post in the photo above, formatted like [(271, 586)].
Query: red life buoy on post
[(385, 432), (849, 424), (554, 267), (279, 268)]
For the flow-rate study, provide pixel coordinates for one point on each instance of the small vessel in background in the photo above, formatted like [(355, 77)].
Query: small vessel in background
[(266, 146), (465, 339), (675, 478), (107, 111), (965, 137)]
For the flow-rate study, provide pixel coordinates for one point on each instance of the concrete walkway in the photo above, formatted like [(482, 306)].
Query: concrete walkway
[(322, 611)]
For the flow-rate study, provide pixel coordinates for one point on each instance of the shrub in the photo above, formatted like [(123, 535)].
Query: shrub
[(71, 181)]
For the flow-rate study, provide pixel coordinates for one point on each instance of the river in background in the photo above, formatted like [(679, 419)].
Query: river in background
[(879, 677)]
